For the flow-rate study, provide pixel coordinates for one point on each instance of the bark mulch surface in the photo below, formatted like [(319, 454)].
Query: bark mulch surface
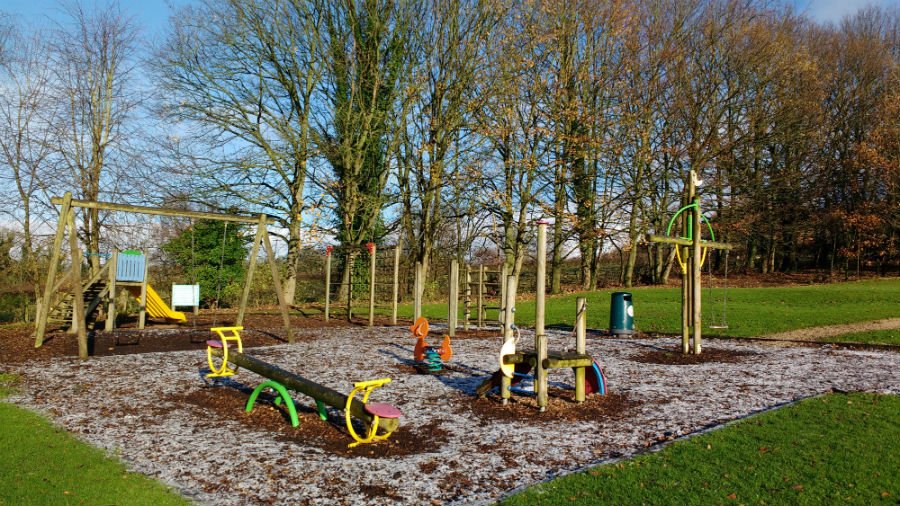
[(145, 398), (263, 329)]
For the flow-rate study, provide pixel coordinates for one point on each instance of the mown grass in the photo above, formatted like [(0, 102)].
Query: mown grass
[(891, 337), (834, 449), (749, 311), (42, 464)]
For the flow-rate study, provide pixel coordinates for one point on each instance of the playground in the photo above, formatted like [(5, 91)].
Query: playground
[(164, 418)]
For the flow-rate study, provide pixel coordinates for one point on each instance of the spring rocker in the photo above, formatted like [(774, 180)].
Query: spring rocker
[(429, 359), (516, 365), (375, 416), (222, 344), (691, 251)]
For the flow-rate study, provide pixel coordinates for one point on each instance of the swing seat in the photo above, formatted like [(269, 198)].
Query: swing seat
[(213, 343), (718, 326)]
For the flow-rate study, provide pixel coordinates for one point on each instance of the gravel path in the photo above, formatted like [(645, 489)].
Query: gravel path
[(157, 413), (816, 333)]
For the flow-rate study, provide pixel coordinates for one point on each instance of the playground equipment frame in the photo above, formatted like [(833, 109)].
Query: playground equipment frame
[(67, 221)]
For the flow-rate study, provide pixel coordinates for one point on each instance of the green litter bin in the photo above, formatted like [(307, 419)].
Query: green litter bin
[(621, 314)]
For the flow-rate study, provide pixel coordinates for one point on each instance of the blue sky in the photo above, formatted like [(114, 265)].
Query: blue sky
[(834, 10), (152, 15)]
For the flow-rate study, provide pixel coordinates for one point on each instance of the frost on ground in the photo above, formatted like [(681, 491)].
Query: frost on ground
[(157, 413)]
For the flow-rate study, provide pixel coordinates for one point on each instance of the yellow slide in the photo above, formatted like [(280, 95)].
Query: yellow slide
[(156, 307)]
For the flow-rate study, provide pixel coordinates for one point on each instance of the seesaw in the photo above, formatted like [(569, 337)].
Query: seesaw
[(374, 415)]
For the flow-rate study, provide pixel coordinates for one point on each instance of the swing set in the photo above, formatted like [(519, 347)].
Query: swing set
[(691, 251), (84, 298)]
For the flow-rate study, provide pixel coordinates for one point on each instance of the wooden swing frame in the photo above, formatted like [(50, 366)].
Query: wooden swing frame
[(67, 221)]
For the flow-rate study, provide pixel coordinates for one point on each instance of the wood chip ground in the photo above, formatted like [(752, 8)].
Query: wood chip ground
[(158, 413)]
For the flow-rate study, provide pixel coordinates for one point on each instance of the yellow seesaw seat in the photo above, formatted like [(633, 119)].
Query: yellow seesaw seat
[(233, 336)]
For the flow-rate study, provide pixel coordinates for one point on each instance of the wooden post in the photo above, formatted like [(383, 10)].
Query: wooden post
[(696, 256), (540, 338), (373, 252), (467, 298), (111, 306), (44, 306), (351, 260), (396, 287), (580, 345), (245, 293), (417, 292), (327, 280), (276, 280), (453, 309), (77, 289), (142, 316), (480, 305), (502, 283), (509, 308)]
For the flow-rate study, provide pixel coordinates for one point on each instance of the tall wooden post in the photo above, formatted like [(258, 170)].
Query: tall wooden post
[(351, 260), (245, 292), (111, 306), (77, 289), (580, 345), (396, 287), (467, 298), (44, 306), (696, 257), (480, 305), (276, 279), (540, 338), (453, 306), (417, 289), (687, 223), (373, 264), (502, 282), (328, 281), (509, 308), (142, 315)]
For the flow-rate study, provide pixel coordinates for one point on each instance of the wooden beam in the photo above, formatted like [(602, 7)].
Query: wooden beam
[(396, 286), (696, 257), (453, 302), (307, 387), (540, 337), (418, 284), (580, 338), (373, 264), (248, 281), (158, 211), (44, 312), (327, 282), (687, 242), (276, 281), (576, 361), (77, 289)]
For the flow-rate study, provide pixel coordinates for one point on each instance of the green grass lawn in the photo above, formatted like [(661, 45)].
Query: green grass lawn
[(891, 337), (750, 311), (42, 464), (834, 449)]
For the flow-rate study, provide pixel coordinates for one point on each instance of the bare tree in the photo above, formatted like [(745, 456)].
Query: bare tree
[(93, 60), (25, 133), (243, 76), (450, 38)]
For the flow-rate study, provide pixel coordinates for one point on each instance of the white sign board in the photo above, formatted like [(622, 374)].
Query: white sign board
[(185, 295)]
